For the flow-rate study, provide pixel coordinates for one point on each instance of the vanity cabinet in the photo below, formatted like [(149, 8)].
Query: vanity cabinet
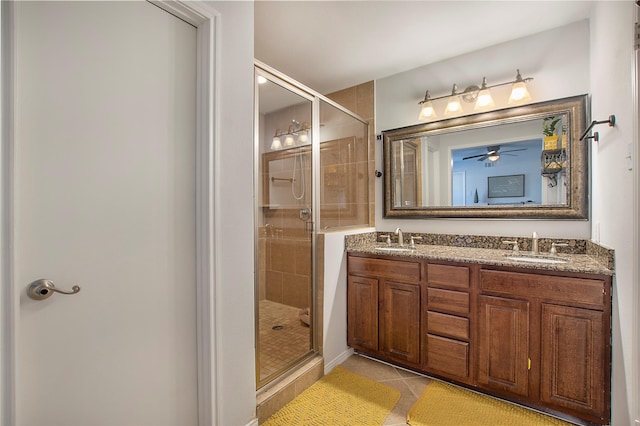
[(400, 322), (537, 337), (362, 308), (503, 345), (383, 301), (545, 339), (446, 322)]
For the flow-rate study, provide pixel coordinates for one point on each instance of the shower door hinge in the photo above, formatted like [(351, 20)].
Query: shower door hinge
[(636, 36)]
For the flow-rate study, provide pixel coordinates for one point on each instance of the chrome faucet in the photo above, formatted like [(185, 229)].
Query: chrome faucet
[(400, 237), (534, 242), (553, 250)]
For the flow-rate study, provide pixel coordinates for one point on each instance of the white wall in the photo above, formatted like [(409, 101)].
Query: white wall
[(557, 74), (334, 346), (234, 298), (613, 194)]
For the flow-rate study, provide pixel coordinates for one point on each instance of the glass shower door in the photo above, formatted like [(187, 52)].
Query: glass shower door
[(284, 249)]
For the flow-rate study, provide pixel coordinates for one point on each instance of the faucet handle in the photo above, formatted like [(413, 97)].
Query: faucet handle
[(515, 245), (553, 250), (413, 241), (388, 237)]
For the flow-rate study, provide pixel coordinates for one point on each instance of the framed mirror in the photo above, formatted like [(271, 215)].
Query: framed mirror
[(520, 162)]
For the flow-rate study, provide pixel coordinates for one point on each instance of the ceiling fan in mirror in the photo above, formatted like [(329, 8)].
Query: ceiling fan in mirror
[(493, 153)]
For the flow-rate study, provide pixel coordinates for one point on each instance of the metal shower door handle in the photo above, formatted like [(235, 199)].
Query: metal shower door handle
[(42, 289)]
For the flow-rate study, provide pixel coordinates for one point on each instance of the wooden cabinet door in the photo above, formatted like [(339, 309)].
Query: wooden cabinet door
[(572, 367), (503, 344), (400, 322), (362, 313)]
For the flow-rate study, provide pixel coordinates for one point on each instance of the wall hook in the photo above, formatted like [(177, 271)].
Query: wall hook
[(596, 136)]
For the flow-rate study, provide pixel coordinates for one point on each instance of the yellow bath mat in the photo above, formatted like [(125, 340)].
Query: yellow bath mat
[(445, 405), (339, 398)]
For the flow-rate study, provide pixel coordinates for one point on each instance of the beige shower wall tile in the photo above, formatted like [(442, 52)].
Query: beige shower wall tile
[(296, 290), (346, 98), (302, 258), (365, 100), (274, 286)]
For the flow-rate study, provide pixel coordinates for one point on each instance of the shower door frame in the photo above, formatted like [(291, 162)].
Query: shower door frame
[(287, 83), (316, 305)]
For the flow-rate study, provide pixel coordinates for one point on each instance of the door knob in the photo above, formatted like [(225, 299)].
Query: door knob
[(42, 289)]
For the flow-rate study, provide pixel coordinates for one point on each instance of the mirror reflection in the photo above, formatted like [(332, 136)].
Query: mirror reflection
[(524, 161)]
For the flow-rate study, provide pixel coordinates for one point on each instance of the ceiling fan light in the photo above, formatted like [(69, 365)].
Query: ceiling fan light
[(493, 157)]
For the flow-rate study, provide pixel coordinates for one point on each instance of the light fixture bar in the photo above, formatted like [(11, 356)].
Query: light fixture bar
[(472, 89)]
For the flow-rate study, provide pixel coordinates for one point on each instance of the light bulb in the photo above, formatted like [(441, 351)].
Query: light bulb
[(454, 106), (427, 111), (485, 100), (276, 143), (289, 141), (519, 92), (426, 108), (303, 138)]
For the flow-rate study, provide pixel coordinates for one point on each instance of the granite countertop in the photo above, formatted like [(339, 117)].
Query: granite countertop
[(575, 262)]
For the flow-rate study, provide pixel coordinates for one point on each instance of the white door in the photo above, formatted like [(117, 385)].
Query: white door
[(105, 200)]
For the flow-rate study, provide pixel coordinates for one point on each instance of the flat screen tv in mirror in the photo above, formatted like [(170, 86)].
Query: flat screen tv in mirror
[(506, 186), (441, 168)]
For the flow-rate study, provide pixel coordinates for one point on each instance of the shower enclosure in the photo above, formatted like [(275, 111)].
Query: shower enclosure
[(311, 157)]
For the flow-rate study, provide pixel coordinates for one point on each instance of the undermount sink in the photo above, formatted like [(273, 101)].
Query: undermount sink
[(535, 258), (394, 248)]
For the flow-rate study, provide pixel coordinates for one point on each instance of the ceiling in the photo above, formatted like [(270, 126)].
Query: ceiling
[(332, 45)]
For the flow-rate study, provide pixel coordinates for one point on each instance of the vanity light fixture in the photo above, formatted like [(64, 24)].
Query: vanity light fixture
[(485, 100), (297, 134), (455, 103), (276, 144), (288, 139), (480, 95), (426, 108), (519, 92)]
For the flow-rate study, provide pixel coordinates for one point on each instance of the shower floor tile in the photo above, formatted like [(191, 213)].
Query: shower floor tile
[(283, 337)]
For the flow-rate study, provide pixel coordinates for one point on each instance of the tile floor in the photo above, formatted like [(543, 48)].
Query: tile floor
[(288, 341), (408, 383)]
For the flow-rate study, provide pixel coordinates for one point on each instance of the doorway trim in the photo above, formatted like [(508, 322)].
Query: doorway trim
[(207, 22)]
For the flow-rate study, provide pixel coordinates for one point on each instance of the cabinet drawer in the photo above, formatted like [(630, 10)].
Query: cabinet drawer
[(446, 276), (448, 356), (448, 325), (577, 290), (401, 270), (455, 302)]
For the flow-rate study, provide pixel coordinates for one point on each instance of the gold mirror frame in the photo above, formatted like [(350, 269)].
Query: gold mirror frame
[(577, 207)]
